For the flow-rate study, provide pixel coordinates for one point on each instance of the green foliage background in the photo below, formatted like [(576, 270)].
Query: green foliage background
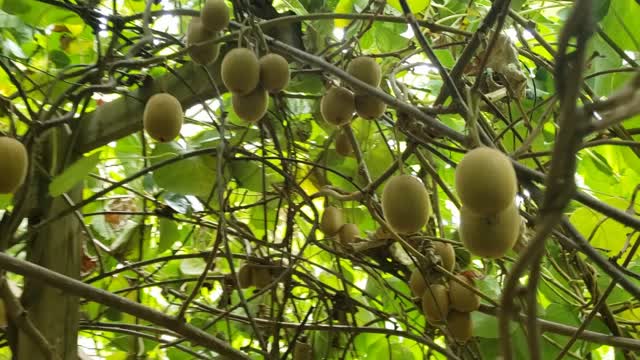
[(167, 219)]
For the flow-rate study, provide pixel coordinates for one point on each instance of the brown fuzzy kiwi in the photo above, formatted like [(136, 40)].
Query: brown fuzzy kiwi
[(489, 236), (245, 276), (251, 107), (332, 220), (446, 253), (240, 71), (163, 117), (405, 203), (302, 351), (260, 276), (274, 73), (417, 283), (369, 107), (460, 326), (461, 298), (337, 106), (196, 33), (14, 164), (486, 181), (366, 69), (435, 303), (348, 233), (215, 15), (343, 144)]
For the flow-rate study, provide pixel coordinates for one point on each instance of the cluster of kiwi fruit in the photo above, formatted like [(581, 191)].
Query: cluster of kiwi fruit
[(251, 274), (332, 224), (405, 204), (214, 17), (14, 163), (489, 218), (339, 103), (250, 81), (444, 302)]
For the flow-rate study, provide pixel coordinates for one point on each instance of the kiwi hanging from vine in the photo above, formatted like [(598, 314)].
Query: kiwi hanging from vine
[(366, 69), (274, 73), (240, 71), (486, 181), (489, 236), (215, 15), (337, 106), (435, 303), (162, 117), (14, 163), (406, 204), (332, 220)]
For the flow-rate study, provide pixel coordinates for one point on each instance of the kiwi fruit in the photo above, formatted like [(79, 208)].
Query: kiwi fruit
[(460, 326), (343, 144), (461, 298), (405, 204), (215, 15), (369, 107), (163, 117), (417, 283), (446, 253), (14, 163), (348, 233), (240, 71), (302, 351), (435, 303), (332, 220), (337, 106), (489, 236), (196, 33), (251, 107), (274, 72), (260, 277), (244, 276), (486, 181), (365, 69)]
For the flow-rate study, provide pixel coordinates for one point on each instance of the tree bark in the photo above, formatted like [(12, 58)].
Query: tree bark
[(57, 247)]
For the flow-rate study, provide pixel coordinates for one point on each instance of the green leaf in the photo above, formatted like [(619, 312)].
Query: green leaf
[(5, 200), (191, 176), (343, 7), (15, 7), (605, 233), (59, 58), (386, 350), (248, 174), (296, 6), (600, 8), (192, 266), (72, 175), (415, 6), (168, 234), (621, 24)]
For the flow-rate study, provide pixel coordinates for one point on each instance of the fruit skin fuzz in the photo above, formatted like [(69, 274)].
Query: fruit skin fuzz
[(215, 15), (14, 164), (405, 204), (240, 71), (274, 73), (486, 181), (491, 236), (337, 106), (163, 117)]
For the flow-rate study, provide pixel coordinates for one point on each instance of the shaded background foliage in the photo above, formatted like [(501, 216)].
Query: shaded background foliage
[(148, 239)]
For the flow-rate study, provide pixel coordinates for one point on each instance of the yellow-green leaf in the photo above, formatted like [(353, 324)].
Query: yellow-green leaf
[(343, 7)]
